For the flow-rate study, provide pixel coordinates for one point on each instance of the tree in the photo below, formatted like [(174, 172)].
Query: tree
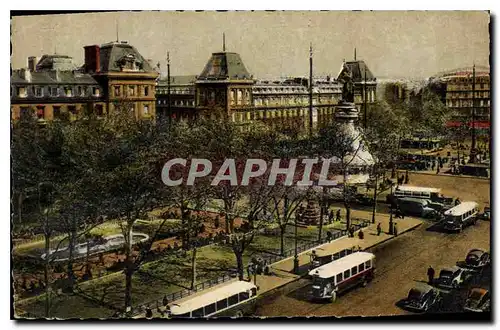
[(343, 147), (127, 171), (286, 200), (37, 167), (384, 133)]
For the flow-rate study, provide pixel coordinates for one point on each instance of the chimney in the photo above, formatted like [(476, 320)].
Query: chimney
[(92, 58), (32, 60), (25, 74)]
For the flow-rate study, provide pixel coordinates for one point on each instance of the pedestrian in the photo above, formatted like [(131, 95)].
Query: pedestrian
[(217, 222), (457, 201), (149, 312), (379, 229), (361, 235), (433, 165), (330, 217), (430, 274), (395, 230), (165, 301), (339, 218), (437, 171), (250, 269)]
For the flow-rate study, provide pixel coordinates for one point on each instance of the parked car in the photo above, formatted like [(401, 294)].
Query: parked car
[(422, 298), (452, 277), (486, 215), (477, 258), (478, 300), (417, 207)]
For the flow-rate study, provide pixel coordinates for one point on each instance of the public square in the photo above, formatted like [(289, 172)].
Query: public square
[(223, 174)]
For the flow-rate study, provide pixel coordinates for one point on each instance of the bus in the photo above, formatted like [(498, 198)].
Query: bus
[(233, 299), (342, 274), (461, 215), (418, 192)]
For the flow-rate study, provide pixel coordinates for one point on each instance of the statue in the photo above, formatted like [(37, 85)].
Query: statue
[(348, 87)]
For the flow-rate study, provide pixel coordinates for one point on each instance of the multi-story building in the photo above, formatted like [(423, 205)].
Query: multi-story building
[(53, 89), (459, 92), (114, 75), (226, 85)]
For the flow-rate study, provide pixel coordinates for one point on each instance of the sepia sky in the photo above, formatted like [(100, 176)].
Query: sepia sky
[(414, 44)]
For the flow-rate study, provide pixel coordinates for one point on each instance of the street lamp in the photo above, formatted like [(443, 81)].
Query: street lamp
[(296, 256), (391, 226)]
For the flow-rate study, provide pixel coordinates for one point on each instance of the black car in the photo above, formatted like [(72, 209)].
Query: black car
[(478, 300), (422, 298), (477, 258), (452, 278)]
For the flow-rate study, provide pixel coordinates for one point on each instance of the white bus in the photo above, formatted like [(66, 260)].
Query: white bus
[(418, 192), (461, 215), (233, 299), (342, 274)]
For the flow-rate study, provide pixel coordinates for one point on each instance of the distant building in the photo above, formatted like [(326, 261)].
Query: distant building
[(114, 74), (226, 85), (459, 92)]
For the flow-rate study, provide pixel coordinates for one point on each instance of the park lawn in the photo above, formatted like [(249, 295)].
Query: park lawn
[(155, 279), (64, 307)]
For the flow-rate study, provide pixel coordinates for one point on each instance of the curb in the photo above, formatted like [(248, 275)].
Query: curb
[(393, 237)]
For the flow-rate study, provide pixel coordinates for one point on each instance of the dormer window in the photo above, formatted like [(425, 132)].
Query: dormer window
[(129, 63), (68, 91), (21, 91), (53, 91), (38, 91), (95, 91)]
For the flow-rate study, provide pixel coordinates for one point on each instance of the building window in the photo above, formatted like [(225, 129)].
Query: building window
[(72, 109), (58, 115), (68, 91), (38, 91), (53, 91), (40, 112), (99, 110), (131, 90), (21, 91), (145, 109), (117, 90), (146, 91), (26, 113)]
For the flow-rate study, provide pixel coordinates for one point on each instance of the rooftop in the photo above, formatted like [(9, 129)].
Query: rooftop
[(340, 265), (225, 66), (461, 208), (113, 54)]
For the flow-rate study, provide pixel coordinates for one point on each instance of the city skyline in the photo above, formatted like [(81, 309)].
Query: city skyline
[(425, 43)]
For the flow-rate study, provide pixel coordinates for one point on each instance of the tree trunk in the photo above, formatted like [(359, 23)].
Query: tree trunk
[(282, 239), (128, 285), (71, 248), (193, 267), (347, 215), (239, 263), (20, 200), (375, 198), (321, 216), (46, 275), (129, 268), (87, 255)]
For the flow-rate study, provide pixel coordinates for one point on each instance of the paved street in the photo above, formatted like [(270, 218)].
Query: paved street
[(401, 263)]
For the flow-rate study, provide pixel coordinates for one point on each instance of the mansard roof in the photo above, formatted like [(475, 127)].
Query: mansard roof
[(225, 66)]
